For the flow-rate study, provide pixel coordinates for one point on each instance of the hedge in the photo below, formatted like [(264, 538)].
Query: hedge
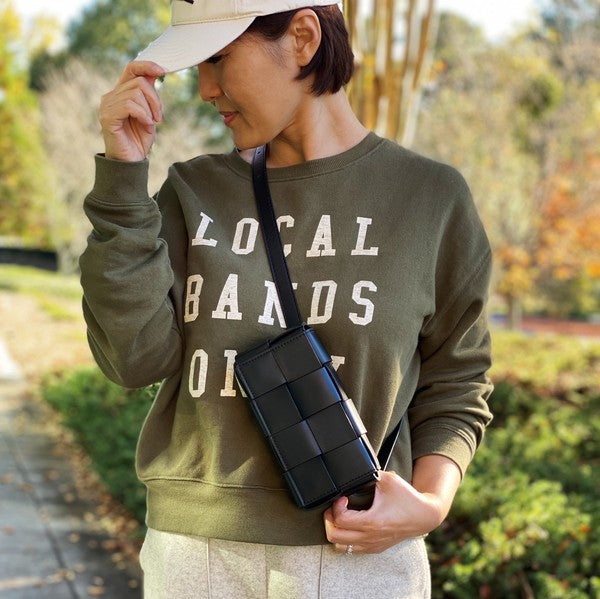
[(106, 420)]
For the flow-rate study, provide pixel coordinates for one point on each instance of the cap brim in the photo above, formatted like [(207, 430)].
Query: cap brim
[(184, 46)]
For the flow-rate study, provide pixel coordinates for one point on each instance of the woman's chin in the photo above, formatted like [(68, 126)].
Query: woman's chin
[(246, 144), (249, 142)]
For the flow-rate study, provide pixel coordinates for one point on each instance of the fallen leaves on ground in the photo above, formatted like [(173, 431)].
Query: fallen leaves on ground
[(42, 345)]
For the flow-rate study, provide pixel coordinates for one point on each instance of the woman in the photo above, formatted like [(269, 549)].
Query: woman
[(391, 265)]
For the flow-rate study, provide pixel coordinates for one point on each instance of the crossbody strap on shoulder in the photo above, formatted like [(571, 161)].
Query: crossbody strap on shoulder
[(270, 232)]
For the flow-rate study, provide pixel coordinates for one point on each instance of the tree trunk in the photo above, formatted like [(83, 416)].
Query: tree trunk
[(515, 313), (68, 260), (429, 26)]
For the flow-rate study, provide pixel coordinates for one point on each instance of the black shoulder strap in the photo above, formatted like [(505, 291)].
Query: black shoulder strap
[(280, 272), (387, 447), (270, 232)]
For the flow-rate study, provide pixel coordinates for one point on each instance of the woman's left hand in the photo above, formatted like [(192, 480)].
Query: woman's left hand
[(399, 512)]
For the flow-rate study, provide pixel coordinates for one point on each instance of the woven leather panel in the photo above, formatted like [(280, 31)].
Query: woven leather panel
[(314, 430)]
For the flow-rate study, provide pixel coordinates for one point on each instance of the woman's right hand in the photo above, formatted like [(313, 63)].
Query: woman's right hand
[(129, 113)]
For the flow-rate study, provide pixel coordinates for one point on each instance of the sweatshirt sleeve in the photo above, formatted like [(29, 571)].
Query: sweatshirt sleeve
[(449, 412), (127, 279)]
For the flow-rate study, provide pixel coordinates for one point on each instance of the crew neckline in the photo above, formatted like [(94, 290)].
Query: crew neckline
[(309, 168)]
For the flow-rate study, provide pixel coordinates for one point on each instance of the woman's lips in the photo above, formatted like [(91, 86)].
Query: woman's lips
[(228, 117)]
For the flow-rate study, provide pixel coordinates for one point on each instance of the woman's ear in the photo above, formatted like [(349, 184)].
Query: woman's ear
[(305, 30)]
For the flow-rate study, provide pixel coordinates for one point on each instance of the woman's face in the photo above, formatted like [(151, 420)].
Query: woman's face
[(251, 83)]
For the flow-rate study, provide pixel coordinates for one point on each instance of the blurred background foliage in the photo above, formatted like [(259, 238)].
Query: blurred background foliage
[(521, 120)]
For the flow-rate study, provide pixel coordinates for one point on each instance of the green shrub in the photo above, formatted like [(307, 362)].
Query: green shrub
[(106, 420), (524, 521)]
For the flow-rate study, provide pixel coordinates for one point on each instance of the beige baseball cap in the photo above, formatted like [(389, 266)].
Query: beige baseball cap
[(200, 28)]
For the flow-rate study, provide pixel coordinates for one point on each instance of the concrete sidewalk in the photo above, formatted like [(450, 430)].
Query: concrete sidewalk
[(50, 543)]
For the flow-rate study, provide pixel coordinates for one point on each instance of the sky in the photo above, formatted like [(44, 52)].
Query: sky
[(496, 18)]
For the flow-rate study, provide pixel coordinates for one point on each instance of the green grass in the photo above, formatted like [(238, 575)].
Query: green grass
[(37, 283), (555, 364), (58, 295)]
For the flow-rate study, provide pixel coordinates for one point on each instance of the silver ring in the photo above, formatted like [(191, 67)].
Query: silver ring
[(349, 550)]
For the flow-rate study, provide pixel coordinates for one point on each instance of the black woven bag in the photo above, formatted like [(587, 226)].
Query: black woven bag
[(313, 428)]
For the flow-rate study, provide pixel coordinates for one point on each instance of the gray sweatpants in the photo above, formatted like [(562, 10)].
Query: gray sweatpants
[(185, 567)]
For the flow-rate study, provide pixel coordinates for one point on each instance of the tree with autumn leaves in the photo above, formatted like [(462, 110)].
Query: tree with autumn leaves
[(520, 119), (22, 160)]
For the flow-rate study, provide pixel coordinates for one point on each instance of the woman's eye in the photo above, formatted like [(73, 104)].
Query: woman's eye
[(214, 59)]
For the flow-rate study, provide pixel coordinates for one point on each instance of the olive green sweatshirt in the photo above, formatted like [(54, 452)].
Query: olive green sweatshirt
[(391, 268)]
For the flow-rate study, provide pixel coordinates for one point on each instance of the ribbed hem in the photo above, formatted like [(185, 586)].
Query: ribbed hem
[(231, 513), (120, 182), (309, 168)]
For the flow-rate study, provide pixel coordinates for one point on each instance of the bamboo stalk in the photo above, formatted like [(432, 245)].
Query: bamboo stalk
[(429, 26), (386, 93)]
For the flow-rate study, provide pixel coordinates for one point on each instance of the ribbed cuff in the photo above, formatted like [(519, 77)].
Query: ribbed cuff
[(439, 442), (120, 182)]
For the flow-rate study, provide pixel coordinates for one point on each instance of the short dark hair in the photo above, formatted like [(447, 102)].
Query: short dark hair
[(333, 63)]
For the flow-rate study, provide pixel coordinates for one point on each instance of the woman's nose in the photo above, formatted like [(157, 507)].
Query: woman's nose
[(208, 88)]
